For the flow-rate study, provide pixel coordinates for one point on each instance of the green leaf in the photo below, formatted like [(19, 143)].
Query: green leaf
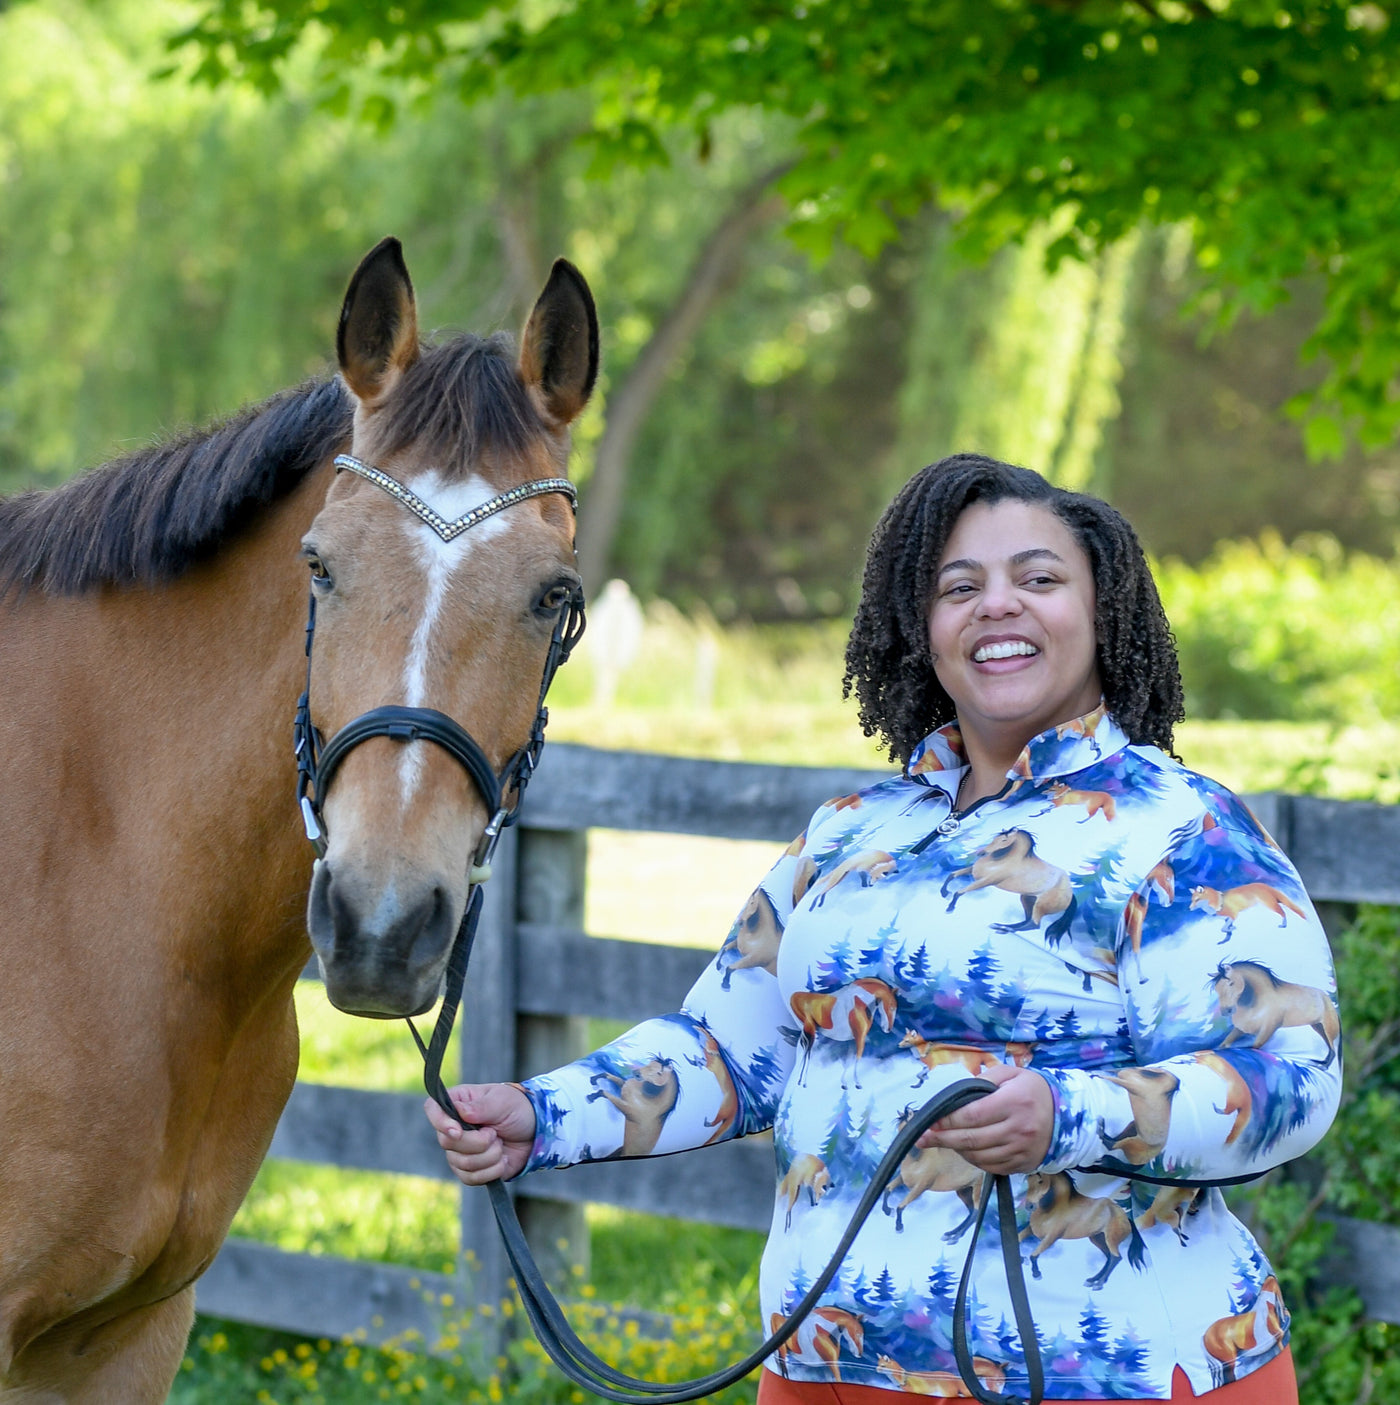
[(1324, 437)]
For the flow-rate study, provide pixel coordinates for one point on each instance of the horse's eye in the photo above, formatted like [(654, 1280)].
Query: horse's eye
[(320, 576), (554, 599)]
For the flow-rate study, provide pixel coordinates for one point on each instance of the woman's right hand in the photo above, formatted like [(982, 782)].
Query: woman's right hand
[(502, 1131)]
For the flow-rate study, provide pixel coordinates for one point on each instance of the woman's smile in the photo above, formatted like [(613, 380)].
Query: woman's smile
[(1003, 649)]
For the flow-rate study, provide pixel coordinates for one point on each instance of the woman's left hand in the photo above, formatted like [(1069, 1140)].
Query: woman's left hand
[(1007, 1131)]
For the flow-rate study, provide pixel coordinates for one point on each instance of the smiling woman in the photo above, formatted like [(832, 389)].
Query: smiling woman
[(918, 564), (1022, 903)]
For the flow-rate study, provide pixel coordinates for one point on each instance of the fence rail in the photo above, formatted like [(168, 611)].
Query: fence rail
[(536, 976)]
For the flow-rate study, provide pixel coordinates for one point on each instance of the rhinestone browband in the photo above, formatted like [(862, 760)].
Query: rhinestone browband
[(445, 529)]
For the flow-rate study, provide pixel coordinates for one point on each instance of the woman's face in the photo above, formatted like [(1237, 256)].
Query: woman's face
[(1011, 626)]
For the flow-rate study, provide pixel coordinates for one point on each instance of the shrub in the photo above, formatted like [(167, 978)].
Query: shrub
[(1306, 632), (1343, 1357)]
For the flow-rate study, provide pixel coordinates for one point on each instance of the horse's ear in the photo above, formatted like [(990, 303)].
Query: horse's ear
[(377, 340), (559, 347)]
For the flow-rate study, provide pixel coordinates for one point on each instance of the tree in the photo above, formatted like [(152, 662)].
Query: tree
[(1269, 126), (711, 275), (531, 142)]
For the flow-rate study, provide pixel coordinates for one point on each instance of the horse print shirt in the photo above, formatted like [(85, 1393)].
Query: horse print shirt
[(1111, 920)]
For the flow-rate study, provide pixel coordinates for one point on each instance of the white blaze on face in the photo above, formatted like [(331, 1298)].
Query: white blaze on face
[(439, 560)]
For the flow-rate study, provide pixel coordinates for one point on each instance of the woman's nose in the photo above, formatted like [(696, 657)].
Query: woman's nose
[(998, 599)]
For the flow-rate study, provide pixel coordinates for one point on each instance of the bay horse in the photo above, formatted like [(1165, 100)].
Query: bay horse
[(933, 1168), (155, 915), (1258, 1005)]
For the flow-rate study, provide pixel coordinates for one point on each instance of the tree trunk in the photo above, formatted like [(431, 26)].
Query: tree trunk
[(517, 220), (711, 276), (517, 214)]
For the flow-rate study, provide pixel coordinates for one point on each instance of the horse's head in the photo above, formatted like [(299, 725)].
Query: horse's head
[(1146, 1082), (409, 614), (656, 1076), (1226, 980), (759, 915), (1010, 843), (844, 1322), (1042, 1187), (884, 999)]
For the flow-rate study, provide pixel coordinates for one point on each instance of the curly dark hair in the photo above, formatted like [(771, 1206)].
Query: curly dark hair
[(888, 664)]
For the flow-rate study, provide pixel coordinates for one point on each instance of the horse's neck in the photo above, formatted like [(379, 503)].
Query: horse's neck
[(150, 730), (230, 674)]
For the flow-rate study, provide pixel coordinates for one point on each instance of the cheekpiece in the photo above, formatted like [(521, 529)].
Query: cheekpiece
[(449, 530)]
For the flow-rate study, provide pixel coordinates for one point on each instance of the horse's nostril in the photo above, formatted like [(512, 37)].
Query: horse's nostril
[(320, 920), (345, 917), (427, 946)]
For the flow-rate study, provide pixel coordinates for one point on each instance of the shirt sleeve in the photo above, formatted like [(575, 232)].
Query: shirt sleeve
[(1230, 1004), (711, 1071)]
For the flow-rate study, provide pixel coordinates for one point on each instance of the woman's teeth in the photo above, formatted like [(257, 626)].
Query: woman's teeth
[(1011, 649)]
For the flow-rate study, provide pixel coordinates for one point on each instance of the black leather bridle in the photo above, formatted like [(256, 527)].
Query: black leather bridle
[(317, 762)]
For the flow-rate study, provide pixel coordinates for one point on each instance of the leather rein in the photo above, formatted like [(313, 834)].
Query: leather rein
[(317, 761)]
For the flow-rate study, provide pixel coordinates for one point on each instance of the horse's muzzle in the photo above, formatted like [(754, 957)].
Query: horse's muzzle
[(382, 952)]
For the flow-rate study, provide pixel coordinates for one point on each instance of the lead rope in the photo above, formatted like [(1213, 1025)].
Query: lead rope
[(582, 1366)]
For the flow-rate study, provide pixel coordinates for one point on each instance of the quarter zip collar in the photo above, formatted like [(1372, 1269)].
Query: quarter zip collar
[(940, 759)]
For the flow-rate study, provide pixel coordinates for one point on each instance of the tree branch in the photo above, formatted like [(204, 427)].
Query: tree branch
[(711, 276)]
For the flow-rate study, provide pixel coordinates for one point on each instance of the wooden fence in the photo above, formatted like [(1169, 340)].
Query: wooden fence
[(536, 977)]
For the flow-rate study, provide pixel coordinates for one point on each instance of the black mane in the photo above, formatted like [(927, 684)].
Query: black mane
[(152, 515)]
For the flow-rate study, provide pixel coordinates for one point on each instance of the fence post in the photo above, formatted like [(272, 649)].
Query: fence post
[(488, 1056), (550, 889)]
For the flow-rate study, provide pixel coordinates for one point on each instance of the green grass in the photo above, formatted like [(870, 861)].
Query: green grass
[(228, 1363), (353, 1214), (359, 1053), (704, 1276), (1312, 758)]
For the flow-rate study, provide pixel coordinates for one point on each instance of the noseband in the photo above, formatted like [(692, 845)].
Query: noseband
[(318, 760)]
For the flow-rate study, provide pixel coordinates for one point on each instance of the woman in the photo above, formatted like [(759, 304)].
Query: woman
[(1044, 898)]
